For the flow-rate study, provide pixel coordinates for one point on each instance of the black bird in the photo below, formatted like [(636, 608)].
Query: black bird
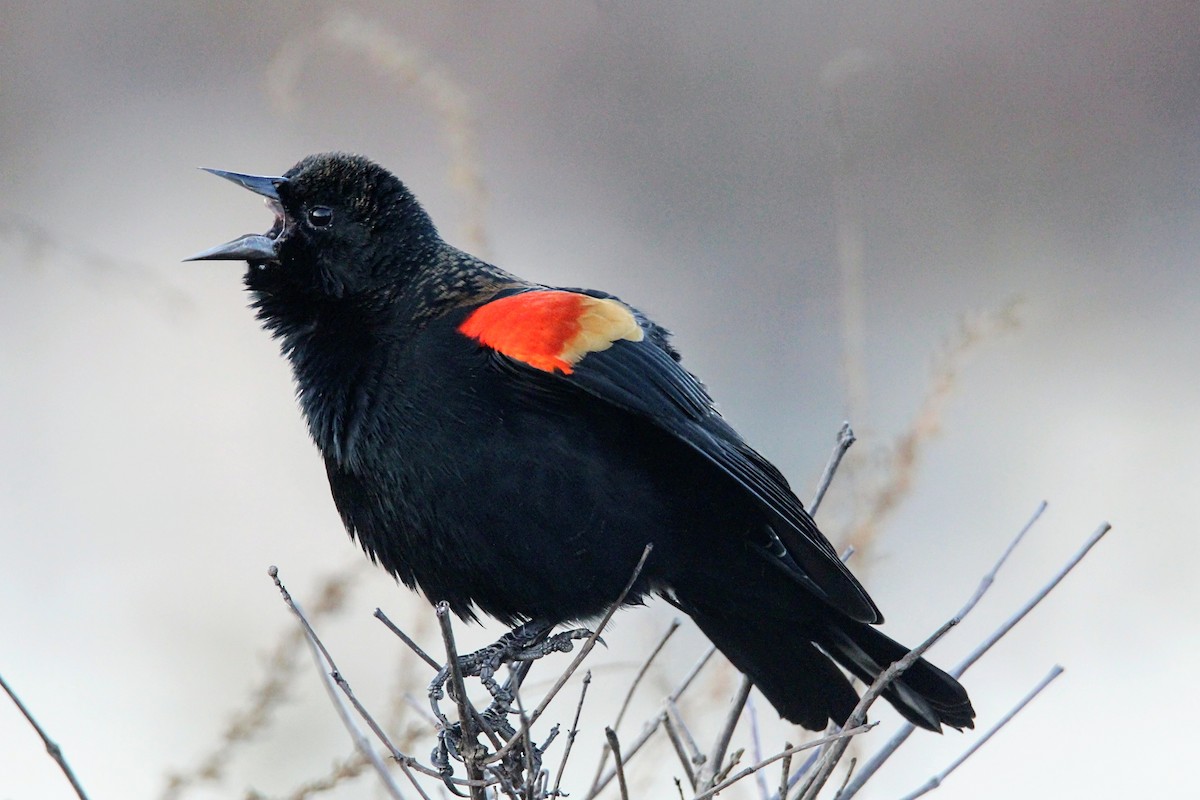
[(511, 448)]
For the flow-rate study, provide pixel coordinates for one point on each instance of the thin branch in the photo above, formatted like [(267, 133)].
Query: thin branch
[(562, 764), (407, 762), (531, 774), (757, 749), (691, 675), (465, 719), (404, 637), (637, 679), (678, 745), (315, 642), (936, 780), (1008, 625), (603, 778), (885, 678), (615, 747), (584, 650), (708, 773), (785, 778), (824, 768), (844, 735), (906, 730), (51, 747), (674, 626), (845, 439), (360, 740), (281, 670), (676, 718)]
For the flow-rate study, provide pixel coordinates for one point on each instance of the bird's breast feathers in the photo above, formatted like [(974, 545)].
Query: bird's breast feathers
[(551, 329)]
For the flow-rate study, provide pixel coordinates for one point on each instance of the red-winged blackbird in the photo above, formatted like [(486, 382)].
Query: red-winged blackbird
[(511, 448)]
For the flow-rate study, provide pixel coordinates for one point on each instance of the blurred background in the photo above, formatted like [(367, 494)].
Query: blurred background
[(972, 228)]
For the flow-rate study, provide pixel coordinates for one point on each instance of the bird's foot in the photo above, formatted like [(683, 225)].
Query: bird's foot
[(526, 643), (520, 646)]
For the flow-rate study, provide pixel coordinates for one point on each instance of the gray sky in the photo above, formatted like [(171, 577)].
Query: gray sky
[(688, 157)]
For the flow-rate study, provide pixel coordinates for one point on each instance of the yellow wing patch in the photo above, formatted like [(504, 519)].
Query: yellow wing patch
[(551, 329)]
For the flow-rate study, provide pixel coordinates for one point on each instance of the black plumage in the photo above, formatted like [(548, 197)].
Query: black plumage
[(472, 470)]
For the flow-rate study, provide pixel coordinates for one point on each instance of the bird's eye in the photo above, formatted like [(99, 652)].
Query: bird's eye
[(320, 216)]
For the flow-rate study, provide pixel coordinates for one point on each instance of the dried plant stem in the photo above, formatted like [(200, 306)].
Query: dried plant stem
[(787, 753), (641, 673), (51, 746), (584, 650), (408, 640), (281, 671), (465, 718), (571, 734), (824, 767), (680, 748), (407, 762), (785, 782), (845, 438), (361, 743), (615, 747), (708, 773), (674, 626), (906, 730), (1030, 604), (936, 780)]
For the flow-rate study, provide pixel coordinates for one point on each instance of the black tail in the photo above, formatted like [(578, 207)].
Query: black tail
[(792, 662)]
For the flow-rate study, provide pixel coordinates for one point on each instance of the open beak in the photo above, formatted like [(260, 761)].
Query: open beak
[(253, 247)]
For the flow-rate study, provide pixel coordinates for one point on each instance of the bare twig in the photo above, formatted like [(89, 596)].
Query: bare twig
[(906, 730), (465, 718), (1008, 625), (817, 779), (51, 746), (562, 764), (824, 767), (708, 773), (404, 637), (584, 650), (615, 747), (280, 672), (785, 778), (641, 673), (602, 778), (322, 653), (936, 780), (691, 674), (675, 717), (407, 762), (783, 754), (845, 439), (674, 626), (678, 745), (757, 750), (361, 743)]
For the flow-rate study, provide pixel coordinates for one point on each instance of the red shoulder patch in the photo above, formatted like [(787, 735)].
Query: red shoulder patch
[(551, 329)]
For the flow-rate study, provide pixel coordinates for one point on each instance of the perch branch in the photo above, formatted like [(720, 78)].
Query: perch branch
[(51, 746), (936, 780), (906, 730)]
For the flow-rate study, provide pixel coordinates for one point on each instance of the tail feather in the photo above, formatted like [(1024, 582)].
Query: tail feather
[(792, 662), (923, 694)]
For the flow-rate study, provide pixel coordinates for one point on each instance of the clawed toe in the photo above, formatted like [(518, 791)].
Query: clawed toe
[(520, 647)]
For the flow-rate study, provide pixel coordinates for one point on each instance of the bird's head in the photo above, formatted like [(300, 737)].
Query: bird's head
[(343, 226)]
